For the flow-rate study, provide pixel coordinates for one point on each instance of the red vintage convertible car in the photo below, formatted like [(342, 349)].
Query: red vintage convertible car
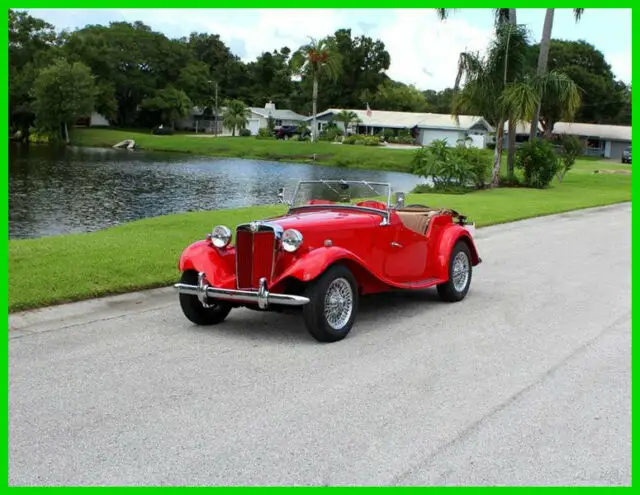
[(332, 246)]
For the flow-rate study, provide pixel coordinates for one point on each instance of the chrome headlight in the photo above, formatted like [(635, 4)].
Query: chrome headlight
[(221, 236), (291, 240)]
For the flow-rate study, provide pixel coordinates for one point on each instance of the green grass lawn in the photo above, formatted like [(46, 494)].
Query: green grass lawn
[(144, 253), (351, 156)]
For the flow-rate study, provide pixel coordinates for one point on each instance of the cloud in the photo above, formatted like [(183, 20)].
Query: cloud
[(424, 50)]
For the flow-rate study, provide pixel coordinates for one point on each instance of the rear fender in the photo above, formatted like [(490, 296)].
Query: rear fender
[(448, 238), (217, 264)]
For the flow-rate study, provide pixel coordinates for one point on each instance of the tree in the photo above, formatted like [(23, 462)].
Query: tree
[(543, 58), (270, 77), (316, 60), (236, 115), (130, 58), (604, 100), (31, 43), (194, 81), (395, 96), (62, 92), (439, 101), (499, 87), (363, 63), (346, 117), (501, 16), (170, 103)]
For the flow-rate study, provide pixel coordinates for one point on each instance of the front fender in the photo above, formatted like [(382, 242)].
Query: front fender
[(217, 264), (315, 262), (448, 239)]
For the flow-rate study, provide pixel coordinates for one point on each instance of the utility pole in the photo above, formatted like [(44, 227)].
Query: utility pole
[(216, 104)]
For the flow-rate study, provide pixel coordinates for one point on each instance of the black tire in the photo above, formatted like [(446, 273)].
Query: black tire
[(314, 311), (448, 291), (193, 308)]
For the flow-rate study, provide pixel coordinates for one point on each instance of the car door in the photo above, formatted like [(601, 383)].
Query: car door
[(405, 254)]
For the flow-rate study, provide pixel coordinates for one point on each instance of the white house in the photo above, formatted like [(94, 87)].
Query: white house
[(607, 141), (425, 127), (258, 119), (281, 117)]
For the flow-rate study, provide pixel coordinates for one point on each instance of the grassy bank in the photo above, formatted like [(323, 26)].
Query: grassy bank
[(351, 156), (144, 254)]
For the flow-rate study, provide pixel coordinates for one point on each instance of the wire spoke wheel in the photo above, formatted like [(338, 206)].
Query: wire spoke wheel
[(460, 271), (338, 303)]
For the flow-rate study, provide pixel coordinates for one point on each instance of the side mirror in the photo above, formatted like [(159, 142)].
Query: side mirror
[(281, 195), (400, 200)]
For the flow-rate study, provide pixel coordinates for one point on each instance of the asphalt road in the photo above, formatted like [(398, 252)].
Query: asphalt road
[(527, 381)]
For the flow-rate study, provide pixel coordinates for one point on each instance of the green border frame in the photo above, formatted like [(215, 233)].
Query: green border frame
[(342, 4)]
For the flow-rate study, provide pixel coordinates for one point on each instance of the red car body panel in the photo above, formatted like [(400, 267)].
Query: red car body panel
[(381, 256)]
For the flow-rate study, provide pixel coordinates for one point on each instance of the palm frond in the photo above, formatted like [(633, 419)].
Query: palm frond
[(518, 102)]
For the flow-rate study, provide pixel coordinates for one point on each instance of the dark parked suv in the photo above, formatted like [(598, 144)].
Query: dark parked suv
[(287, 131), (626, 155)]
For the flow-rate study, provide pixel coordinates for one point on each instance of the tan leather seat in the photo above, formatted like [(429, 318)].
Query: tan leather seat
[(417, 219)]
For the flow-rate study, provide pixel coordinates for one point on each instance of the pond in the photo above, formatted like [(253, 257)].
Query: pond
[(59, 191)]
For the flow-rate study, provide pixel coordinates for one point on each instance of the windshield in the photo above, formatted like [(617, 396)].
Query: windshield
[(343, 192)]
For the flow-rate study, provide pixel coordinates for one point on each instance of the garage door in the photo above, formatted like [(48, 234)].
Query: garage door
[(253, 126)]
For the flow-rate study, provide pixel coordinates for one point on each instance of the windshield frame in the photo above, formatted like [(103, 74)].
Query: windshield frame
[(385, 213)]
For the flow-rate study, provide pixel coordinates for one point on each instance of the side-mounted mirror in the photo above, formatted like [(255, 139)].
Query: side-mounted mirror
[(281, 195), (399, 200)]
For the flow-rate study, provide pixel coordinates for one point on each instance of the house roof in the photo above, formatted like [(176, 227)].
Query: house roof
[(277, 114), (613, 132), (522, 127), (383, 118)]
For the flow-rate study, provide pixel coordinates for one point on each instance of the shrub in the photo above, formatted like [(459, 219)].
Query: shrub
[(538, 161), (245, 132), (479, 163), (452, 169), (264, 133), (329, 134), (362, 140), (570, 148)]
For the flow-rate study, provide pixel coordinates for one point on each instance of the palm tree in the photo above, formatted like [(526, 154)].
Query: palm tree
[(317, 59), (497, 86), (346, 117), (236, 115), (543, 57), (501, 16)]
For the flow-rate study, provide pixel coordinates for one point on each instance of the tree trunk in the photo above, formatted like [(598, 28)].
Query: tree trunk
[(511, 150), (543, 58), (66, 133), (497, 154), (314, 108)]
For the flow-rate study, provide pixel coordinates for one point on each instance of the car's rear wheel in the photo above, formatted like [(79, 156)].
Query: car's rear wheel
[(333, 304), (213, 313), (460, 270)]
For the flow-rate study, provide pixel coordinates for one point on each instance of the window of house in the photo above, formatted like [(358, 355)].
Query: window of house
[(278, 122)]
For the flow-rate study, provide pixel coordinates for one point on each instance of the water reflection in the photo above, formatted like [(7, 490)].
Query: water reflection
[(58, 191)]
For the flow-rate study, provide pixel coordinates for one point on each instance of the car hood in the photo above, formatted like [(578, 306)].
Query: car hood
[(329, 219)]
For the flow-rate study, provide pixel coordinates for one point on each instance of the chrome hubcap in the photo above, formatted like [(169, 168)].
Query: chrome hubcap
[(338, 303), (460, 271)]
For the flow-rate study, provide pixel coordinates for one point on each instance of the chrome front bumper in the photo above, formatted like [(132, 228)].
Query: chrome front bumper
[(262, 297)]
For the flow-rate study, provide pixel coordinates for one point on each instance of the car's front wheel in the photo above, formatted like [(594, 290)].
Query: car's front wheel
[(333, 304), (211, 314), (460, 270)]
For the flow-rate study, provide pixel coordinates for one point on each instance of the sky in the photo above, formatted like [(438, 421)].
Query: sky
[(423, 49)]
